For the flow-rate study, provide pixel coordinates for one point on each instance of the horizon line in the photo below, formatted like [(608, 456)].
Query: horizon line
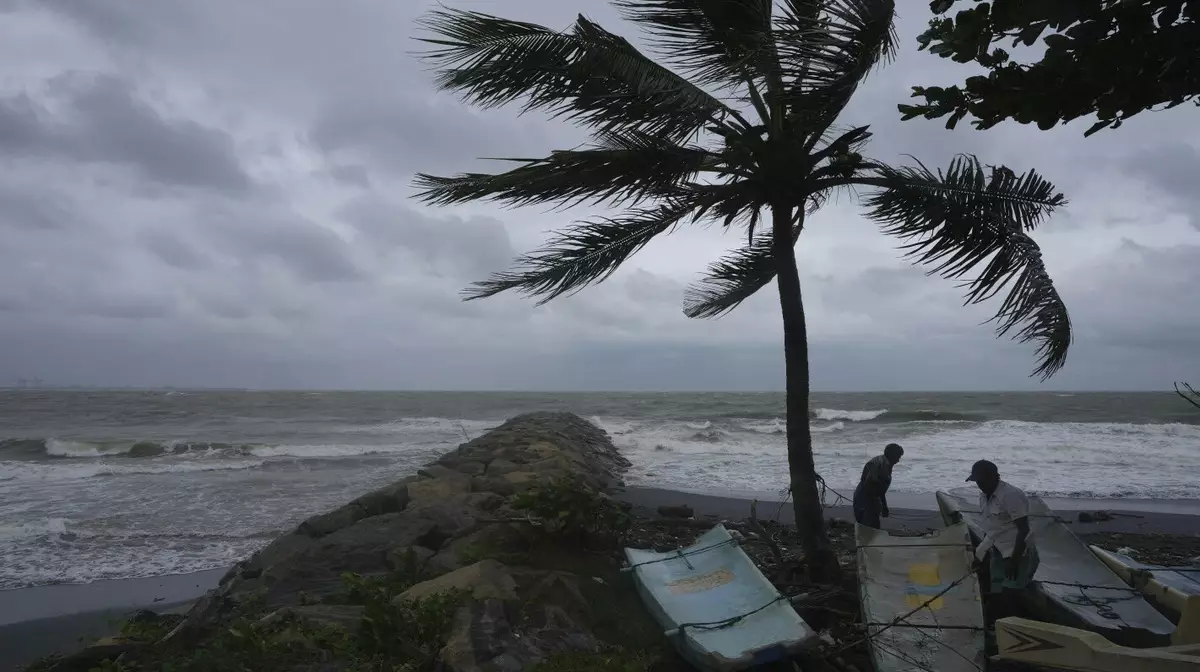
[(177, 388)]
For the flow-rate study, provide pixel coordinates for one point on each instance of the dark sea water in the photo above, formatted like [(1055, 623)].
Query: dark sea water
[(120, 484)]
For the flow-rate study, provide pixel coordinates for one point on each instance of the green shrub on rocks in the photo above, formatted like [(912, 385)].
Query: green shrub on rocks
[(614, 660), (405, 635), (569, 507), (412, 631)]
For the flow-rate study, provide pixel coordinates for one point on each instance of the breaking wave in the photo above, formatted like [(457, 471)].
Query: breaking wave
[(32, 449), (886, 416)]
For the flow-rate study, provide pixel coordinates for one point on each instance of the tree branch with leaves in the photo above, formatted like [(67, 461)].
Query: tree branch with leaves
[(735, 123), (1109, 58)]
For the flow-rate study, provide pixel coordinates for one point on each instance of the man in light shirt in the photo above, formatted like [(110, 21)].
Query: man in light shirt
[(1008, 546)]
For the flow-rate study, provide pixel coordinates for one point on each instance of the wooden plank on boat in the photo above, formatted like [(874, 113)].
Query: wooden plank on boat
[(719, 610)]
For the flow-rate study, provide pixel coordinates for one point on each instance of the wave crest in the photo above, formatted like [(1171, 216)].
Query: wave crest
[(884, 415)]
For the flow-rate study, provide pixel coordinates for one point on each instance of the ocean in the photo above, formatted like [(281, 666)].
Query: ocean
[(118, 484)]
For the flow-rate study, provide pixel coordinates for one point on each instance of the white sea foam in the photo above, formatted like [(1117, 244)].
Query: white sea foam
[(852, 416), (326, 451), (1095, 460), (63, 448), (101, 514), (43, 471)]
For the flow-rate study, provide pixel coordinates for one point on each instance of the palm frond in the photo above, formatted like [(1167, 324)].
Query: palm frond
[(734, 278), (585, 74), (965, 218), (582, 254), (622, 167), (716, 42), (828, 47)]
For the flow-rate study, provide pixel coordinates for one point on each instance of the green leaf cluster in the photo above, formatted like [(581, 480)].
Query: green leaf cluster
[(569, 507), (1109, 58)]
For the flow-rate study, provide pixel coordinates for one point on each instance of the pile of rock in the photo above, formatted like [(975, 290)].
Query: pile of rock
[(442, 517)]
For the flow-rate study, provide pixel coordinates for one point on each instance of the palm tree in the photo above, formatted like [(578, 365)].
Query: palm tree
[(741, 129)]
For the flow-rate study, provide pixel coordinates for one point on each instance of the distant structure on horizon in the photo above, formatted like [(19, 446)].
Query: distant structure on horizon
[(23, 383)]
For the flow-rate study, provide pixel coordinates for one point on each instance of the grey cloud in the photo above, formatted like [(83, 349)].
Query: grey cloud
[(313, 252), (422, 132), (1174, 170), (1145, 298), (171, 249), (356, 175), (107, 123), (36, 209), (463, 248)]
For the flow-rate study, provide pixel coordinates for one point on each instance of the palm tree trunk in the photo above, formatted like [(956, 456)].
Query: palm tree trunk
[(810, 518)]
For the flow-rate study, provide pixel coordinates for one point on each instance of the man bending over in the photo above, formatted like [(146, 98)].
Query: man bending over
[(870, 497)]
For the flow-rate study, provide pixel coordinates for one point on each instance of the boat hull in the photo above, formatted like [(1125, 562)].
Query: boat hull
[(1066, 648), (714, 582), (1169, 587), (899, 574), (1072, 587)]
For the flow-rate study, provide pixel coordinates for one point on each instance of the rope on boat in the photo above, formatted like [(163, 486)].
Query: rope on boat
[(732, 620), (901, 621), (681, 555), (936, 641), (897, 621), (1102, 605)]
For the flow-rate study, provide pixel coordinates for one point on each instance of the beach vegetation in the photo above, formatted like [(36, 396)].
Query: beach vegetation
[(1108, 59), (473, 553), (390, 634), (609, 660), (148, 627), (569, 508), (739, 122)]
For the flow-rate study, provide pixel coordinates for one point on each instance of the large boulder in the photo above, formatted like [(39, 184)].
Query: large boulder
[(512, 618), (486, 579)]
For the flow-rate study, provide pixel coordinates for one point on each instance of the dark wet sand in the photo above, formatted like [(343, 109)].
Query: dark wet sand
[(36, 622), (39, 621)]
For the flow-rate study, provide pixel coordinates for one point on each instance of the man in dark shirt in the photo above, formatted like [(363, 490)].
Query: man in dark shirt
[(870, 497)]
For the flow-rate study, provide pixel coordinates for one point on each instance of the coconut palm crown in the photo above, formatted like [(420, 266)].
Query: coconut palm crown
[(737, 122)]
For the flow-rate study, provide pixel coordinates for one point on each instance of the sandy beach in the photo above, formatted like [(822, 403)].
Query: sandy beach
[(40, 621)]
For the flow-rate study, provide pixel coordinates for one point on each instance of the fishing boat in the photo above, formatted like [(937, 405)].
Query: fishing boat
[(920, 602), (1065, 648), (1072, 586), (714, 604), (1169, 587)]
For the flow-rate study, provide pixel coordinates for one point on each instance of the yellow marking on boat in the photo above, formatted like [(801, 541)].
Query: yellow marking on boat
[(920, 575), (696, 584)]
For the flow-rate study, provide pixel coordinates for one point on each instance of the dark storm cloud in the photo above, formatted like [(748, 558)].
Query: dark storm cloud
[(320, 273), (172, 250), (313, 252), (465, 248), (1146, 298), (106, 122), (37, 210), (1174, 170)]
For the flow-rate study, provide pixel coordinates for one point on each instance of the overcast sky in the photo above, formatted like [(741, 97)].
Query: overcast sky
[(217, 194)]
